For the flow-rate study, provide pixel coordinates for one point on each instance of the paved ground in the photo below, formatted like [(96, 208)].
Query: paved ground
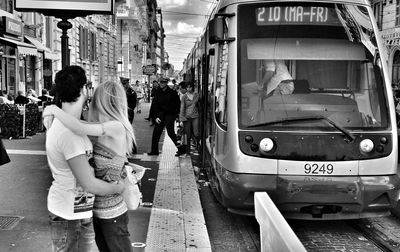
[(25, 181)]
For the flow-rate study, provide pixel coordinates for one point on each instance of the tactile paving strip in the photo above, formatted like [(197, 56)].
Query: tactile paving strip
[(172, 221)]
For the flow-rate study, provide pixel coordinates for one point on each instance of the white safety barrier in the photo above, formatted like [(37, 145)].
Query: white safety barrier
[(275, 233)]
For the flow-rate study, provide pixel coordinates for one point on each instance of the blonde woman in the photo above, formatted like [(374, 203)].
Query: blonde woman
[(108, 118)]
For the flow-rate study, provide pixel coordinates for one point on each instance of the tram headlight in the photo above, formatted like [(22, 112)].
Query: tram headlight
[(266, 144), (366, 145)]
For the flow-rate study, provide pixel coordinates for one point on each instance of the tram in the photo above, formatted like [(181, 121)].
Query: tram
[(322, 140)]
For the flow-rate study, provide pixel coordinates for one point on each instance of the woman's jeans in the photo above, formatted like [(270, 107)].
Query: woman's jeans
[(71, 235), (112, 235), (188, 125)]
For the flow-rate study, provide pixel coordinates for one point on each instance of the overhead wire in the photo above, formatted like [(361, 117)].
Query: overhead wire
[(183, 13), (206, 17)]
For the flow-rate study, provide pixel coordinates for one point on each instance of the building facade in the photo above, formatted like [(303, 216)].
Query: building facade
[(30, 48), (132, 39), (387, 15)]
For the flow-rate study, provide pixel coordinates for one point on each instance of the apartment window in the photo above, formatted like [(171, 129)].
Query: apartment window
[(83, 43), (397, 13), (378, 12), (7, 5), (49, 28), (92, 46)]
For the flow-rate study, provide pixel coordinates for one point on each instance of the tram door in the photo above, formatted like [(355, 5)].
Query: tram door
[(210, 105)]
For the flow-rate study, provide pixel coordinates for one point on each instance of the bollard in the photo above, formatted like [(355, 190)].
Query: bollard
[(275, 233)]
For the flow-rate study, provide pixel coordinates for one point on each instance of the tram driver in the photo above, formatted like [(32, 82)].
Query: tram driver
[(277, 79), (274, 79)]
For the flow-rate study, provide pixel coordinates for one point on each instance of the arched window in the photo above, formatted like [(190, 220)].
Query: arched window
[(396, 69)]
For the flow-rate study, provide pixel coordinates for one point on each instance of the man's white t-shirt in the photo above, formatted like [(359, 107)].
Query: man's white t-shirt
[(281, 74), (66, 198)]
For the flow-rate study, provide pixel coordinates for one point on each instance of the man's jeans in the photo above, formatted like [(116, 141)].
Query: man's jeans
[(71, 235)]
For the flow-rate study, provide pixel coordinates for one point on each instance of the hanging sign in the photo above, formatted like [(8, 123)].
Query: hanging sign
[(149, 69), (87, 6)]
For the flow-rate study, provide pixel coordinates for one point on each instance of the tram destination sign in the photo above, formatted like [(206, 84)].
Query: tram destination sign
[(296, 15), (70, 6)]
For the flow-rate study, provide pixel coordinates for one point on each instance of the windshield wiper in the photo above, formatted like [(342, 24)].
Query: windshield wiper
[(311, 118)]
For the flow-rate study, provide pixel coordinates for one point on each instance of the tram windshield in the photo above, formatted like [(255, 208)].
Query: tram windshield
[(309, 60)]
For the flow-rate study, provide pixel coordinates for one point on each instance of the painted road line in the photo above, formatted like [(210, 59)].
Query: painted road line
[(26, 152)]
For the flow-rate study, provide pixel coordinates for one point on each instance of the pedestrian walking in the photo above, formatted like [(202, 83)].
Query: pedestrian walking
[(108, 118), (131, 97), (154, 91), (189, 115), (139, 94), (71, 196), (166, 106)]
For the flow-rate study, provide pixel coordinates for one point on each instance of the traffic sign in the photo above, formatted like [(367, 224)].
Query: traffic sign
[(149, 69)]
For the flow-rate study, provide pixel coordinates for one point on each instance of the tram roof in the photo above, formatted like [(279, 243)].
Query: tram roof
[(224, 3)]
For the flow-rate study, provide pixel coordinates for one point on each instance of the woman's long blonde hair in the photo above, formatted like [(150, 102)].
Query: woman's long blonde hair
[(109, 103)]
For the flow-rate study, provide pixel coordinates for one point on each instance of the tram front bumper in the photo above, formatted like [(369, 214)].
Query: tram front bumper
[(308, 197)]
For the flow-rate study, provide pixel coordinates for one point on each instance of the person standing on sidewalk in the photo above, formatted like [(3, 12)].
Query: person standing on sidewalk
[(131, 97), (189, 115), (107, 120), (154, 90), (70, 199), (139, 96), (166, 106)]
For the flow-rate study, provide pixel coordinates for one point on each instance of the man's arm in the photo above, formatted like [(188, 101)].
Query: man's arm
[(84, 174), (110, 128)]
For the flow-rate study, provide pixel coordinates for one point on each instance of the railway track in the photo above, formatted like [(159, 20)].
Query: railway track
[(369, 235)]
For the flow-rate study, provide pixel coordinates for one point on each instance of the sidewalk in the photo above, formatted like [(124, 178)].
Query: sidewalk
[(175, 221)]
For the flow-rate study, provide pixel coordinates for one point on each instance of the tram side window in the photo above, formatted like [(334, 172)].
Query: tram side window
[(210, 89), (221, 100)]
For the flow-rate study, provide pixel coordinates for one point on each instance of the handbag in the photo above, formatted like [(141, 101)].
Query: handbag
[(132, 195), (4, 158)]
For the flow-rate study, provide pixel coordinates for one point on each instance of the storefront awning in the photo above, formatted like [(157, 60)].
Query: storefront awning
[(42, 48), (23, 48)]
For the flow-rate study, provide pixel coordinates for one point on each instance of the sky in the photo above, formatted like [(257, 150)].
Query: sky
[(183, 22)]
